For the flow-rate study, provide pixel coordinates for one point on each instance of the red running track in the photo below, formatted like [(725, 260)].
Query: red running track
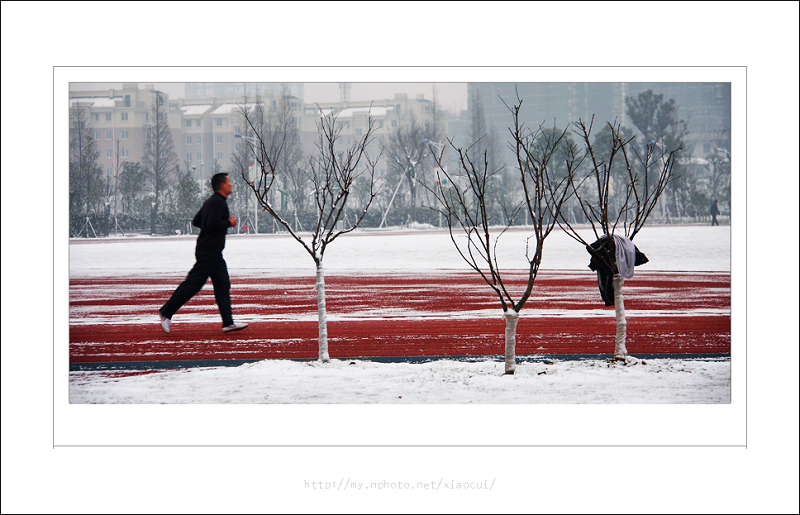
[(114, 319)]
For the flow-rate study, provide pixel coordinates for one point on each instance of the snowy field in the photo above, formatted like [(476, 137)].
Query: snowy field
[(661, 381), (669, 248)]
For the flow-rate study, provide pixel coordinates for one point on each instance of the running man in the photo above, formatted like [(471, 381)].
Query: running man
[(213, 219)]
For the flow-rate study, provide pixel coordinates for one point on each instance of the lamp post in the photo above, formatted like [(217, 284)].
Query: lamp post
[(253, 142), (440, 148), (200, 175)]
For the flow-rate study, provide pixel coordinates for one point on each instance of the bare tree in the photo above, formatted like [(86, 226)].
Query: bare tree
[(243, 156), (85, 176), (113, 186), (291, 170), (406, 154), (639, 196), (160, 160), (332, 173), (719, 161), (657, 120), (470, 221)]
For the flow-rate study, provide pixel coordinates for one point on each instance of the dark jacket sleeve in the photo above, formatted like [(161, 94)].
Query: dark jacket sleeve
[(198, 220)]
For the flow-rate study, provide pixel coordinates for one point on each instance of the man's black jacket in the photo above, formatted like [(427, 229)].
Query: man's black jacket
[(212, 219)]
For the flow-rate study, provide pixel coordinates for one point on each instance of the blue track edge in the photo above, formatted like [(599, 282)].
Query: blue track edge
[(537, 358)]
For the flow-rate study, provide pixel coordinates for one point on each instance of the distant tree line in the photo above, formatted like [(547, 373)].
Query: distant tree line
[(137, 194)]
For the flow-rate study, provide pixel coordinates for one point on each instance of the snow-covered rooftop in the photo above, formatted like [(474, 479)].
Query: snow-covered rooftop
[(195, 110), (226, 109), (95, 101), (352, 111)]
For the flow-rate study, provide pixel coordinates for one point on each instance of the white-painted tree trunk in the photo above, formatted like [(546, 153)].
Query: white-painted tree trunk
[(512, 317), (620, 352), (323, 316)]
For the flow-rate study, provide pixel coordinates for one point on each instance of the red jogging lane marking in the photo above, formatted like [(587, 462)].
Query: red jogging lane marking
[(114, 319)]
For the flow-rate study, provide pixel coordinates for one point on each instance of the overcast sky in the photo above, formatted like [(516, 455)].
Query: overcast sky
[(452, 96)]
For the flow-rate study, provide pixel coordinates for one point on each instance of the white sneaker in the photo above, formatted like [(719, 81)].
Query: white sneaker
[(236, 326), (165, 322)]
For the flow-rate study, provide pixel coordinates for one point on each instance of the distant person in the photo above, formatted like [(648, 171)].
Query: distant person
[(714, 213), (213, 220)]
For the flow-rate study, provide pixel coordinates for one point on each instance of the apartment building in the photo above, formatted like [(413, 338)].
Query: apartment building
[(352, 117), (204, 127), (120, 121)]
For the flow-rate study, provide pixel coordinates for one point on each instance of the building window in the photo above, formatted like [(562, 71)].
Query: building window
[(219, 140), (124, 117), (188, 140), (97, 135), (188, 123), (198, 122), (127, 100), (124, 134), (189, 157), (125, 153), (198, 139), (394, 123), (97, 117), (108, 117), (219, 156), (109, 136), (219, 122), (199, 156), (109, 153)]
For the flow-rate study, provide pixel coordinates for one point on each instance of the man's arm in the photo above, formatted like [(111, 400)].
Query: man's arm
[(217, 219)]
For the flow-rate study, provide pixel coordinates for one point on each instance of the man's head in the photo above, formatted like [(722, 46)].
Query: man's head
[(221, 183)]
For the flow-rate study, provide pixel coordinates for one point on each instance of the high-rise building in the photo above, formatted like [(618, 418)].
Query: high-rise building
[(706, 107)]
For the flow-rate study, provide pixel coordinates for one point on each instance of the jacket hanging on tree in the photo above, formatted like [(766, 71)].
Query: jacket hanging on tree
[(619, 251)]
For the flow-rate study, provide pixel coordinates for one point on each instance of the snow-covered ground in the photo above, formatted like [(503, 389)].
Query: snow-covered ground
[(670, 248), (657, 381), (442, 381)]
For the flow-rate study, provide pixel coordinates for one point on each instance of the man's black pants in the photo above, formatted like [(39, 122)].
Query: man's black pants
[(212, 266)]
